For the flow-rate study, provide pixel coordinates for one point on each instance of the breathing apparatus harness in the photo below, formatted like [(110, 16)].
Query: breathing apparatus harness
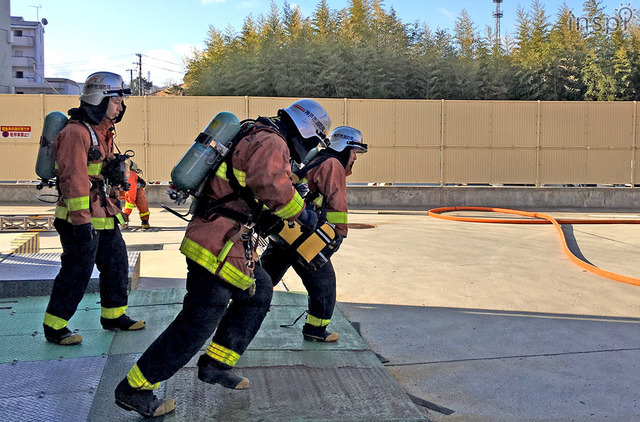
[(114, 171)]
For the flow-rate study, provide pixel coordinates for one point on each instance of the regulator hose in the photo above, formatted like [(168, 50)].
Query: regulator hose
[(541, 219)]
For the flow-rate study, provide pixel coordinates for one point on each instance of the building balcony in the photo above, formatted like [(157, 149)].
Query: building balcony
[(22, 42), (22, 62)]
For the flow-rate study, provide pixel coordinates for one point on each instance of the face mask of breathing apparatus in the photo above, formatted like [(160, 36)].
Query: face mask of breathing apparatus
[(189, 176)]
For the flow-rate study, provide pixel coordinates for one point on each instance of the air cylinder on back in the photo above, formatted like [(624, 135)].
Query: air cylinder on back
[(207, 150), (46, 162)]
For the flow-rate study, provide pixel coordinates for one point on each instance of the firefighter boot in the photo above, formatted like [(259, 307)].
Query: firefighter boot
[(212, 372), (312, 333), (123, 323), (142, 401), (145, 224), (63, 336)]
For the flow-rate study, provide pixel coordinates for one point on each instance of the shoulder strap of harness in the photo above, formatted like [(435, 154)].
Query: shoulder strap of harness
[(210, 207)]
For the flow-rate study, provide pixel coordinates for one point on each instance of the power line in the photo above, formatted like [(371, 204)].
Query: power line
[(168, 70), (160, 60)]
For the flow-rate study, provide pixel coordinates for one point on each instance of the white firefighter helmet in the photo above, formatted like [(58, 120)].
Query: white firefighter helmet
[(102, 84), (344, 137), (310, 119)]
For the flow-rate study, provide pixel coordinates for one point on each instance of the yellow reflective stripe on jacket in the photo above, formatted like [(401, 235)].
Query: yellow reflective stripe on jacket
[(222, 354), (317, 322), (240, 175), (77, 204), (61, 212), (94, 169), (137, 380), (113, 313), (129, 205), (318, 201), (292, 208), (337, 217), (103, 223), (208, 260), (54, 322)]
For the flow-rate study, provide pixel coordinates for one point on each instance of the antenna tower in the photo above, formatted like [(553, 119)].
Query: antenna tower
[(497, 15)]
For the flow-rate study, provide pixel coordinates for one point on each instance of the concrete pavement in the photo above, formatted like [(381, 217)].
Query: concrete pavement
[(491, 321)]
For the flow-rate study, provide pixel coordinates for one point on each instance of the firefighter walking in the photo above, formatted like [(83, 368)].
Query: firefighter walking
[(325, 176), (227, 294), (86, 215), (135, 197)]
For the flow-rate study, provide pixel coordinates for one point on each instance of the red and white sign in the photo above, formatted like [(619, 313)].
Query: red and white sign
[(15, 131)]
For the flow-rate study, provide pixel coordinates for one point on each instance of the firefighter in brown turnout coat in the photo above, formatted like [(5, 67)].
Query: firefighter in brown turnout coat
[(227, 294), (325, 175), (86, 215)]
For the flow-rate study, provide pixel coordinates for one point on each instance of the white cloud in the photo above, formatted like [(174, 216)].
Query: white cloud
[(447, 13)]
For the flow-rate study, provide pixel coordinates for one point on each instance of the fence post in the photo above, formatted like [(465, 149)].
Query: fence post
[(145, 144), (538, 144), (442, 142), (344, 112), (634, 144)]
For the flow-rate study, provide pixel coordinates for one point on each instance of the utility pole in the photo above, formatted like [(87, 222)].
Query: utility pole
[(139, 73), (130, 78)]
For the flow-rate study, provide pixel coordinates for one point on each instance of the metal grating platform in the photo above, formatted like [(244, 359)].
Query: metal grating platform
[(33, 274), (290, 379)]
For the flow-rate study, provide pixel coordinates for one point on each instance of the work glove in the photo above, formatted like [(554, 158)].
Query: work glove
[(142, 183), (308, 219), (84, 234), (335, 245)]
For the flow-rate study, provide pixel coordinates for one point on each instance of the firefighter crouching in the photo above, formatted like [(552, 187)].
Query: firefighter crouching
[(135, 197), (86, 217), (325, 176), (227, 295)]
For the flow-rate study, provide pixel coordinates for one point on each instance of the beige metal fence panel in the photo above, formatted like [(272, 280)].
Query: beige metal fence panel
[(377, 121), (635, 176), (586, 142), (466, 138)]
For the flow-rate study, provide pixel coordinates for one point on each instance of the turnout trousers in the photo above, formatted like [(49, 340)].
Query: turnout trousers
[(108, 252), (206, 309), (320, 284)]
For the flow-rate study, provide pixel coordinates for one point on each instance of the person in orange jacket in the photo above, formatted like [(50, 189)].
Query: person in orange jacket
[(325, 176), (86, 215), (135, 196), (227, 294)]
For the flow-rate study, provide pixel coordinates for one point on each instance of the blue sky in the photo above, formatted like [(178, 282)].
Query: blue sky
[(84, 36)]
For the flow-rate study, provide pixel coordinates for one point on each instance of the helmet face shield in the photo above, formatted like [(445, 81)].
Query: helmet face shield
[(103, 84), (344, 137)]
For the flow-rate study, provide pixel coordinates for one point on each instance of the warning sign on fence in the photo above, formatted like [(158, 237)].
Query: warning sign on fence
[(15, 131)]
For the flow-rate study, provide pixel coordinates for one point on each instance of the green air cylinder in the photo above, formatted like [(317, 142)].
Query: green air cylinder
[(208, 150), (46, 162), (311, 155)]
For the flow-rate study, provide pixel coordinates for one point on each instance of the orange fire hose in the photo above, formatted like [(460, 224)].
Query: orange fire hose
[(542, 219)]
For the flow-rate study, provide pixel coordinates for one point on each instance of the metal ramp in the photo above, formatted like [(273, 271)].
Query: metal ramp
[(291, 380), (32, 274)]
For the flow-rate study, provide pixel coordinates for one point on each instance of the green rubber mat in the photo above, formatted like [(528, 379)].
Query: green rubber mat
[(291, 379)]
